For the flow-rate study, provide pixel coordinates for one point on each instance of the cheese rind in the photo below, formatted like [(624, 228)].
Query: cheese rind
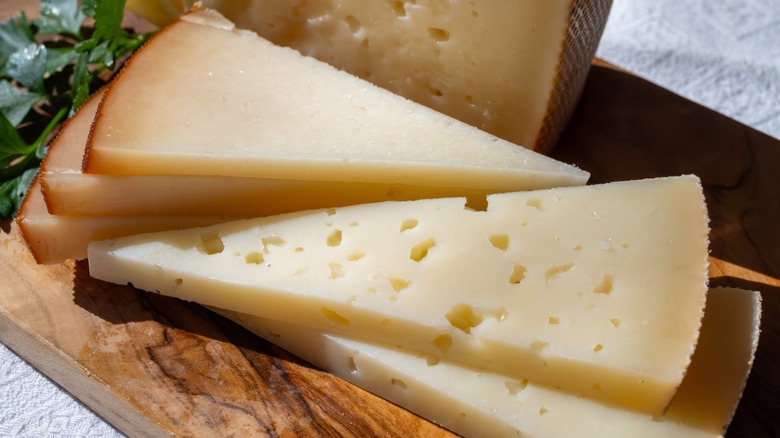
[(478, 403), (54, 239), (226, 102), (598, 290)]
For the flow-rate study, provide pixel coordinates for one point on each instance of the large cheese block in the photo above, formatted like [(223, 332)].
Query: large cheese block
[(597, 290), (512, 68), (204, 98), (69, 192), (476, 403)]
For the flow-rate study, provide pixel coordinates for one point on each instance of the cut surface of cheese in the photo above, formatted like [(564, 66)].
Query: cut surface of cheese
[(597, 290), (512, 68), (54, 239), (226, 102), (69, 192), (478, 403)]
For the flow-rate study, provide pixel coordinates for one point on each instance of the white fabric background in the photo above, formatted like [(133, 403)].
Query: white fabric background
[(724, 54)]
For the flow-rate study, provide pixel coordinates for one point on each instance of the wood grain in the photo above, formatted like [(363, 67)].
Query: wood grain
[(155, 366)]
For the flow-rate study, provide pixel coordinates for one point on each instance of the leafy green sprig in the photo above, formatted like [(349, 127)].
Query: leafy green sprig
[(48, 68)]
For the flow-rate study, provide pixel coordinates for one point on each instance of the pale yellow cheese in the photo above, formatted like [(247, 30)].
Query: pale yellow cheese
[(203, 98), (69, 192), (512, 68), (597, 290), (477, 403)]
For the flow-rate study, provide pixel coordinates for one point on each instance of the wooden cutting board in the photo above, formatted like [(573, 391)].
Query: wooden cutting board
[(154, 366)]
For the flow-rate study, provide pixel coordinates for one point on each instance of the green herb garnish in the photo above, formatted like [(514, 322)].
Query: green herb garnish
[(48, 68)]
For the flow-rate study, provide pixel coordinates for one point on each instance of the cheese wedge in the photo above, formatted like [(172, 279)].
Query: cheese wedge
[(512, 68), (203, 98), (54, 239), (479, 403), (597, 290), (70, 192)]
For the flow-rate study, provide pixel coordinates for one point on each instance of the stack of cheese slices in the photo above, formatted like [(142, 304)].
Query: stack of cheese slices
[(477, 283)]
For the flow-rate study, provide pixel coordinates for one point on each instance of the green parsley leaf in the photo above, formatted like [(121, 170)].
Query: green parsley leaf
[(81, 80), (108, 20), (28, 65), (12, 147), (12, 192), (88, 7), (52, 61), (15, 102), (15, 34), (60, 17), (58, 58)]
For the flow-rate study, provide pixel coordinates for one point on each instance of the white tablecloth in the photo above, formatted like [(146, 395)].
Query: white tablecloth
[(724, 54)]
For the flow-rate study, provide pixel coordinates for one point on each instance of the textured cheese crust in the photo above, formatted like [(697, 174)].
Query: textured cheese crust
[(597, 289), (512, 68), (54, 239), (478, 403), (220, 101)]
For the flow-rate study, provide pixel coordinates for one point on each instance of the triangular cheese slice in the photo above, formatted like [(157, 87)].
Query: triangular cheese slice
[(512, 68), (69, 192), (597, 290), (478, 403), (204, 98)]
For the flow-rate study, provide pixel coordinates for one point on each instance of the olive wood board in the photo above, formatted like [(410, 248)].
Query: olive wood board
[(156, 366)]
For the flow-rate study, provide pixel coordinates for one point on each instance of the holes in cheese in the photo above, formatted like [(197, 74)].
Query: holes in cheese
[(432, 360), (518, 273), (465, 317), (515, 387), (539, 345), (398, 284), (398, 383), (554, 271), (355, 256), (351, 365), (254, 257), (408, 224), (399, 8), (210, 243), (336, 270), (499, 241), (271, 241), (615, 322), (605, 285), (353, 23), (464, 304), (334, 238), (420, 251), (335, 317), (439, 35), (443, 343), (534, 203)]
